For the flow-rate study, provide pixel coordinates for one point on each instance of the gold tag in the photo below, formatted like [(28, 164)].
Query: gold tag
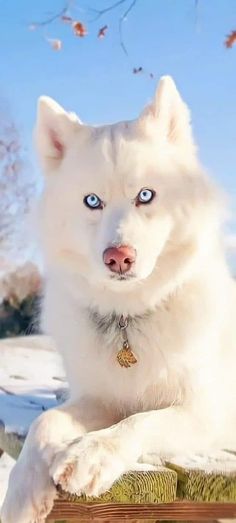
[(126, 357)]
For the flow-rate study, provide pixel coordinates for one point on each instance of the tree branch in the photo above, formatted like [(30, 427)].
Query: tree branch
[(101, 12), (129, 6), (121, 21), (53, 18)]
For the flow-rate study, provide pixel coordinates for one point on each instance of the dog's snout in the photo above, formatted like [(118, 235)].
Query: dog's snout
[(119, 259)]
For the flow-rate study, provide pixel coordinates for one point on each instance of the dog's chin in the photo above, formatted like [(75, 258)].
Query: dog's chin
[(123, 282), (123, 277)]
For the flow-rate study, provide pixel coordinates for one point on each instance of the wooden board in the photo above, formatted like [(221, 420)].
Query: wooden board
[(177, 511)]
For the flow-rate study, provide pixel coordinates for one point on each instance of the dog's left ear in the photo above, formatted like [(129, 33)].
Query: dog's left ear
[(168, 115)]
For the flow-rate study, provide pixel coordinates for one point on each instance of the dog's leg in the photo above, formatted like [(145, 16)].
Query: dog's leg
[(31, 491), (92, 463)]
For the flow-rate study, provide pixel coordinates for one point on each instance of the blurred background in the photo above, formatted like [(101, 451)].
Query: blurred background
[(102, 59)]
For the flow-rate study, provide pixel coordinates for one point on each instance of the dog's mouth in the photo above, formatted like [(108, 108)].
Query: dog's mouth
[(122, 277)]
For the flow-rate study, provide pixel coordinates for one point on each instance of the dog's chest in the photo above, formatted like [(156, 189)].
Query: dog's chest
[(155, 379)]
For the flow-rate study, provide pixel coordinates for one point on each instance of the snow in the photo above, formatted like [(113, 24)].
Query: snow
[(220, 461), (30, 376), (31, 381), (6, 464)]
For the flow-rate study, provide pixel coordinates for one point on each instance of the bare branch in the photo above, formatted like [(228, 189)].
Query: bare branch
[(17, 186), (121, 21), (101, 12), (53, 18), (112, 7), (80, 29)]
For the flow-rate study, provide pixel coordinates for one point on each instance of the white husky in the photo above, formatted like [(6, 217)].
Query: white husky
[(138, 298)]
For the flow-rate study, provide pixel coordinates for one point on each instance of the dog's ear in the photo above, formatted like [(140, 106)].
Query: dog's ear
[(168, 115), (53, 131)]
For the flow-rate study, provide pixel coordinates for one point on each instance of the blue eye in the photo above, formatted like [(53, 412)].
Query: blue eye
[(93, 201), (145, 196)]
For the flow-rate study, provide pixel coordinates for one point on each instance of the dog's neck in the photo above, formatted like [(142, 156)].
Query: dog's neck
[(105, 322)]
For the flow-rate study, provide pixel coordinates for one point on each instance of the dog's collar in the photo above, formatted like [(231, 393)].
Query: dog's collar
[(107, 321), (125, 356)]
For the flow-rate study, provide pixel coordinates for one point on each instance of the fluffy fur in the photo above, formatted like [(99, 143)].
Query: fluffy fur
[(180, 395)]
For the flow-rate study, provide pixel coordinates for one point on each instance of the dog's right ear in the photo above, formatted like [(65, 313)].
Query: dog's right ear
[(54, 129)]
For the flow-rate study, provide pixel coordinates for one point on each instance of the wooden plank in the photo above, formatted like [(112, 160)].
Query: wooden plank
[(130, 521), (211, 478), (157, 486), (176, 511)]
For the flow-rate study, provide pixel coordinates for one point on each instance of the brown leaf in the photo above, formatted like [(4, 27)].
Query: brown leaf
[(66, 19), (230, 40), (55, 43), (102, 31), (79, 29)]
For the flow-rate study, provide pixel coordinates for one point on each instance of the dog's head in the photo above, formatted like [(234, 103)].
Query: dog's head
[(121, 200)]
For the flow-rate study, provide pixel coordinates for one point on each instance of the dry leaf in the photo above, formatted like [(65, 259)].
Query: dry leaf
[(230, 40), (66, 19), (55, 43), (137, 70), (102, 31), (79, 29)]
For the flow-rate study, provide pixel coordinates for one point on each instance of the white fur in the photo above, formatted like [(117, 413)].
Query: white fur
[(180, 396)]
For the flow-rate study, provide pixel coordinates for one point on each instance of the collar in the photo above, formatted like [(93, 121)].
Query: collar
[(105, 322), (125, 356)]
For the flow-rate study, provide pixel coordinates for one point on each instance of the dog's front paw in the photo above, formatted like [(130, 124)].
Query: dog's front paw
[(30, 495), (91, 465)]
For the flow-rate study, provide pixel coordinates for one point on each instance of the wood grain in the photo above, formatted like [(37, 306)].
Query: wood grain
[(177, 511)]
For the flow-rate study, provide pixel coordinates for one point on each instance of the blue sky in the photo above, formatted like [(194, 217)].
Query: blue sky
[(94, 77)]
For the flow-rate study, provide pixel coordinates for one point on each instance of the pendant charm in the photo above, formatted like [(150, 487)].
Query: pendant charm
[(125, 356)]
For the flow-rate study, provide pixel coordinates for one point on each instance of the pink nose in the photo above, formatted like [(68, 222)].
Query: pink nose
[(119, 259)]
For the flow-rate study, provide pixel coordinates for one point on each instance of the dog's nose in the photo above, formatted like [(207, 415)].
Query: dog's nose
[(119, 259)]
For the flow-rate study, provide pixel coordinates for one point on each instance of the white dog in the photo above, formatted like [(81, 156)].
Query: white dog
[(138, 298)]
